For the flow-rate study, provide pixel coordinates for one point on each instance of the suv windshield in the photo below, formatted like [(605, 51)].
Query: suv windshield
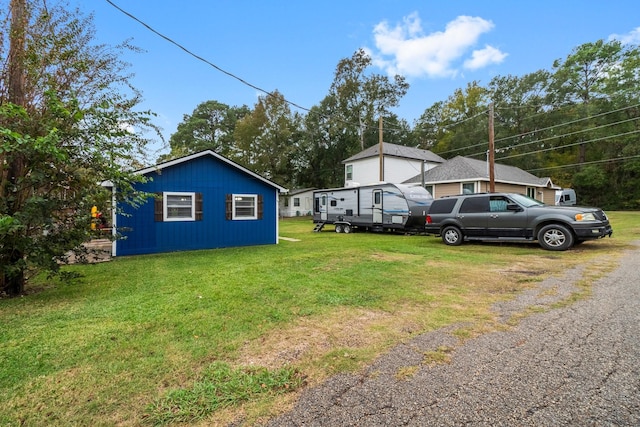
[(525, 201)]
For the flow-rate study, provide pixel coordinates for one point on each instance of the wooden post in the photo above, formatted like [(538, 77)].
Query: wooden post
[(492, 178), (381, 148)]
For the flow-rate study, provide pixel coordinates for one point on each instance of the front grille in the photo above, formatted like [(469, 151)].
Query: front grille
[(601, 215)]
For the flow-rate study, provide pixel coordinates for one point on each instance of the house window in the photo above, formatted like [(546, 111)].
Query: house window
[(286, 202), (296, 201), (468, 187), (245, 206), (429, 188), (178, 206), (349, 174), (531, 192)]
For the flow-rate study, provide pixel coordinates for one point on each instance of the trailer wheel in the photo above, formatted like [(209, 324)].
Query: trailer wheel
[(346, 229), (339, 228)]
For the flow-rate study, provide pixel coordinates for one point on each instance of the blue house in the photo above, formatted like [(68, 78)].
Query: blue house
[(201, 201)]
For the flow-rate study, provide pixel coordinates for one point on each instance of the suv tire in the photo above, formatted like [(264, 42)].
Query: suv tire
[(555, 237), (452, 236)]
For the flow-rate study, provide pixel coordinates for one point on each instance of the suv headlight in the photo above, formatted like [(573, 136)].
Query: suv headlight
[(585, 217)]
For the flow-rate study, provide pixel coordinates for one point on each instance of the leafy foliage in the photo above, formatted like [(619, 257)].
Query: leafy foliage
[(75, 127)]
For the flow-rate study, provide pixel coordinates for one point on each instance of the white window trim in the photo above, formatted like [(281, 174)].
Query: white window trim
[(165, 207), (474, 183), (348, 170), (245, 218)]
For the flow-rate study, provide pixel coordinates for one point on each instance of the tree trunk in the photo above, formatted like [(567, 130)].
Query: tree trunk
[(13, 280)]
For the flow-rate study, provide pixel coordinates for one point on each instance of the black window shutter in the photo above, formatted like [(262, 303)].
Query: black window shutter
[(198, 206), (260, 206), (158, 208), (229, 206)]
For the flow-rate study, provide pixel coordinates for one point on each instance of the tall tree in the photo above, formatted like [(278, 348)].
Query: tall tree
[(267, 138), (596, 85), (583, 77), (75, 128), (520, 118), (346, 120), (459, 125), (210, 126), (363, 97)]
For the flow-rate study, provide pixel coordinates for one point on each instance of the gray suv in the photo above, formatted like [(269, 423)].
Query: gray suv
[(509, 216)]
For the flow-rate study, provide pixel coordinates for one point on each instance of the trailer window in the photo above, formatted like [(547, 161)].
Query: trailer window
[(376, 197)]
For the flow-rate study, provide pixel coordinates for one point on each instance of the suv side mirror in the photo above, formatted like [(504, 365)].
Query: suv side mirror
[(514, 207)]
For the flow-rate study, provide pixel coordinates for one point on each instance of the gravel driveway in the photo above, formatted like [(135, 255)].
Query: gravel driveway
[(578, 366)]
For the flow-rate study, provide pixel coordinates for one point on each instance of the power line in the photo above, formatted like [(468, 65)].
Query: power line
[(570, 133), (201, 58), (617, 159), (566, 123), (570, 145)]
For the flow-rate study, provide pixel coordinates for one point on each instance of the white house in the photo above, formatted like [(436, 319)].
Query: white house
[(296, 203), (400, 163)]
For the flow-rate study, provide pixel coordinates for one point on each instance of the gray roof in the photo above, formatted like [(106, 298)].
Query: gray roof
[(395, 150), (299, 190), (466, 169)]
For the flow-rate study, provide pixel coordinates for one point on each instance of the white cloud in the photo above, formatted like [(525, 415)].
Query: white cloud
[(481, 58), (632, 37), (406, 50)]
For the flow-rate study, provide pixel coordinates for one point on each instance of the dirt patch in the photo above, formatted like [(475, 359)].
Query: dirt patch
[(311, 337), (391, 257), (97, 250)]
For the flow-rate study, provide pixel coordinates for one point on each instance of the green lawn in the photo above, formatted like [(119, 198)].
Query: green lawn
[(209, 335)]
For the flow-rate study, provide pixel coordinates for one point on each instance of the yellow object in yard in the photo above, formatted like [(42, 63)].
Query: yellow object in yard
[(94, 215)]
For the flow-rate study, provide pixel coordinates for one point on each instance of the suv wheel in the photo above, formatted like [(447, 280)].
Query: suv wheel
[(555, 237), (452, 236)]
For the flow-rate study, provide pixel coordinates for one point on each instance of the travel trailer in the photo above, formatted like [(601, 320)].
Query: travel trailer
[(566, 197), (376, 207)]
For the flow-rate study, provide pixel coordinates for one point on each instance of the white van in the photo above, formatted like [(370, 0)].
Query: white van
[(566, 197)]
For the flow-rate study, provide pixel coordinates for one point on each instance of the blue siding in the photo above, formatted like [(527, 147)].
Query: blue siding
[(214, 179)]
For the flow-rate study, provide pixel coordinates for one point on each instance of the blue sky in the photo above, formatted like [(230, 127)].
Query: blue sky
[(294, 46)]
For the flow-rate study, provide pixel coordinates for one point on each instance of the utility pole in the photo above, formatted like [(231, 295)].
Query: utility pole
[(492, 150), (381, 148)]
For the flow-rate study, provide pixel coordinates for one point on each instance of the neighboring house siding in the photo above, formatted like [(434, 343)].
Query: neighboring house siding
[(365, 171), (548, 196), (289, 209), (396, 170), (214, 179), (448, 189), (400, 164), (544, 195)]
